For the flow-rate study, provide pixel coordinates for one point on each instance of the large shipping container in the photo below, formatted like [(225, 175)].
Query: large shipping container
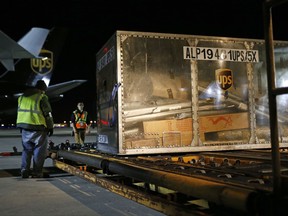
[(171, 93)]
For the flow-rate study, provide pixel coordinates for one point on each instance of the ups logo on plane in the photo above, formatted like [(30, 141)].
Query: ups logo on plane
[(42, 65), (224, 78)]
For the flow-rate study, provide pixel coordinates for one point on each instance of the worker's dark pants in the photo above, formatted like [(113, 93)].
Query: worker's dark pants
[(79, 136)]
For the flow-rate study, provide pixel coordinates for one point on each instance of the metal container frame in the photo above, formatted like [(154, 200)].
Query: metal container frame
[(118, 100)]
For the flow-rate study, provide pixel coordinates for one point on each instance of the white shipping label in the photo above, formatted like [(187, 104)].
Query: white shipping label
[(216, 54)]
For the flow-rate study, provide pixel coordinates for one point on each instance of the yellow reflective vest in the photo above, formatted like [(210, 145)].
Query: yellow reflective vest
[(29, 111)]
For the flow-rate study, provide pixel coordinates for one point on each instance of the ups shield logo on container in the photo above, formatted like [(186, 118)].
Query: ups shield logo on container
[(42, 65), (224, 78)]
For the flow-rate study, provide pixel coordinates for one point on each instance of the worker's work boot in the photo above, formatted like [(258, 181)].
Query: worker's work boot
[(24, 173)]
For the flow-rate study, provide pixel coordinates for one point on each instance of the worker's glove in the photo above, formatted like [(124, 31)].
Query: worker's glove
[(50, 132)]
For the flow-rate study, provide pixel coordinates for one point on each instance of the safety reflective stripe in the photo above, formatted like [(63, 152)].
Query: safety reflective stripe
[(34, 110), (80, 120)]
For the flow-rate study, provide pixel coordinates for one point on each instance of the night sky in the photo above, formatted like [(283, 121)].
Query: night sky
[(91, 23)]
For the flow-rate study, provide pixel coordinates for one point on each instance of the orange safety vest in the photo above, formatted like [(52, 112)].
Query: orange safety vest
[(80, 119)]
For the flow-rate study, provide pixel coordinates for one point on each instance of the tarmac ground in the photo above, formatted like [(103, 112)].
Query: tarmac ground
[(61, 193)]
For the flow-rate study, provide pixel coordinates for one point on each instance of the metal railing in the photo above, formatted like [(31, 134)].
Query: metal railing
[(273, 92)]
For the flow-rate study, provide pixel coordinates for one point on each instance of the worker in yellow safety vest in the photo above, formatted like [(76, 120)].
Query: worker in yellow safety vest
[(34, 118)]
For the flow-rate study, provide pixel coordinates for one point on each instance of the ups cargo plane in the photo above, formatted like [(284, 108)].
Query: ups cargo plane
[(29, 65)]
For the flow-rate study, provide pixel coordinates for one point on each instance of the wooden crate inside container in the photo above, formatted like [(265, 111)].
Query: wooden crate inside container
[(233, 121), (142, 143), (180, 130), (172, 132)]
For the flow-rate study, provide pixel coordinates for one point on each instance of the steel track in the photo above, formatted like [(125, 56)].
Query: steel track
[(207, 183)]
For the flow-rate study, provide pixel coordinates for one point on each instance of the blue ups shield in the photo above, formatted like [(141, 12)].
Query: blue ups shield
[(224, 78), (42, 65)]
